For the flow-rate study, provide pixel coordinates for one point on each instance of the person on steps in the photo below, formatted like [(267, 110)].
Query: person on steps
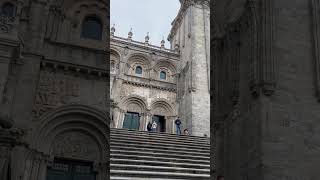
[(178, 125), (154, 126), (186, 132), (149, 127)]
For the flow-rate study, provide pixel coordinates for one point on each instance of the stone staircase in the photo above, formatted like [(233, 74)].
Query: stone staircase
[(139, 155)]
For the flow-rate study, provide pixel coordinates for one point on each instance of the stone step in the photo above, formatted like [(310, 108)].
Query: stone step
[(157, 154), (151, 150), (163, 134), (163, 159), (132, 178), (157, 163), (158, 168), (161, 143), (140, 155), (155, 139), (162, 147), (156, 174)]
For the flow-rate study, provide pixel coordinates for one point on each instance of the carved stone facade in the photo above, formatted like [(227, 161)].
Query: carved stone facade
[(145, 93), (173, 82), (265, 89), (53, 89)]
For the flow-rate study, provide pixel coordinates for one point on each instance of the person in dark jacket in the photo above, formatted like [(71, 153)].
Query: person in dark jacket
[(178, 125), (149, 127)]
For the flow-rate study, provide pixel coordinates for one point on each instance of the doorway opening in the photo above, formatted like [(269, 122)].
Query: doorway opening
[(131, 121), (161, 122), (64, 169)]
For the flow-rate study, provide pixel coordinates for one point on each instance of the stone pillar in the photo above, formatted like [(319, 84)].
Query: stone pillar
[(170, 126), (148, 119), (121, 118), (103, 170), (116, 117), (8, 139)]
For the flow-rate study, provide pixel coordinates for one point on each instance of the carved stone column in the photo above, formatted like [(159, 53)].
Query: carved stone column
[(170, 126), (267, 39), (8, 139), (116, 117), (147, 120), (316, 37), (121, 118)]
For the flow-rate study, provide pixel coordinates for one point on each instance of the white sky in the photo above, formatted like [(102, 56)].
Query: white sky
[(153, 16)]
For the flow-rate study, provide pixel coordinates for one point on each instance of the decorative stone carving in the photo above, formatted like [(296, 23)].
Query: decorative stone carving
[(53, 90), (75, 145), (133, 107), (267, 57), (6, 24), (316, 36)]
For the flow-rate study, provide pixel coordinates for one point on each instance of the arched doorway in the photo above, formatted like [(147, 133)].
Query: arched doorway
[(131, 121), (162, 113), (75, 138), (133, 116)]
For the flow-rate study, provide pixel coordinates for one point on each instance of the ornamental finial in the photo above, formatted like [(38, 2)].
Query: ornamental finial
[(113, 29), (130, 34)]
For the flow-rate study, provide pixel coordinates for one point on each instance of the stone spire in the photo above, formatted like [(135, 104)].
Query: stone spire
[(162, 43), (130, 34), (113, 29), (147, 38)]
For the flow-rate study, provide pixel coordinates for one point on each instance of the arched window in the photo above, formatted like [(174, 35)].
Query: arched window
[(92, 28), (139, 70), (163, 75), (8, 10)]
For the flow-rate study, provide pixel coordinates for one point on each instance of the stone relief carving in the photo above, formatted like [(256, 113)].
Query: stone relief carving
[(74, 144), (132, 107), (6, 24), (54, 90), (160, 111)]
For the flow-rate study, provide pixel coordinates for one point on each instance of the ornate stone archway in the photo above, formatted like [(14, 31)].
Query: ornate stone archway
[(132, 103), (163, 107), (74, 132)]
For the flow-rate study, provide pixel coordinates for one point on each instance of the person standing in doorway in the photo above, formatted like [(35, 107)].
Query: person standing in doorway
[(154, 126), (178, 125), (149, 127)]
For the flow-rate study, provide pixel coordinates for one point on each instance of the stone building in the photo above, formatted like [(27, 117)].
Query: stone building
[(154, 83), (55, 87), (143, 84), (265, 89)]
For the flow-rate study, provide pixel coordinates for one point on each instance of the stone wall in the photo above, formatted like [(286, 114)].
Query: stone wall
[(269, 130), (190, 33), (53, 88)]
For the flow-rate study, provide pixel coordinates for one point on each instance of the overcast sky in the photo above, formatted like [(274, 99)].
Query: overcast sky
[(153, 16)]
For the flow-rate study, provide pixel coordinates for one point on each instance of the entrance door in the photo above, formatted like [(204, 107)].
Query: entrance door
[(70, 170), (131, 121), (160, 122)]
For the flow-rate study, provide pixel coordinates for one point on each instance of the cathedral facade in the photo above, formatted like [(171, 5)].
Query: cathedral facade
[(55, 92), (151, 83)]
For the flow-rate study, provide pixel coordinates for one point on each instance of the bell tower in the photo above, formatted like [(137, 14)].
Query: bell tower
[(190, 35)]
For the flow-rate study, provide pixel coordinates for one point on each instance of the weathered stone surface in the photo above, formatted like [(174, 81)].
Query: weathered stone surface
[(53, 86), (277, 126)]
